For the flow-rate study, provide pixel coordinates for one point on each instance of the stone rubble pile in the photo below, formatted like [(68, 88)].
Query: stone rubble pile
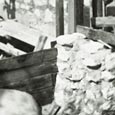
[(85, 83)]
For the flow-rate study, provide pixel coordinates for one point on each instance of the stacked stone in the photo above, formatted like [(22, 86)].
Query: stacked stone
[(85, 83)]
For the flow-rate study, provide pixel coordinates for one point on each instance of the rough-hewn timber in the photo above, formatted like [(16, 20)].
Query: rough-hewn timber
[(97, 34)]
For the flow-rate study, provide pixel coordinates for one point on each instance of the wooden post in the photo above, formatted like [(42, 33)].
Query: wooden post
[(59, 18), (97, 8), (75, 9)]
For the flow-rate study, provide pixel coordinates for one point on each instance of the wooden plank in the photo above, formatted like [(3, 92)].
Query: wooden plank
[(19, 31), (30, 84), (97, 8), (9, 49), (28, 72), (44, 96), (33, 58), (41, 43), (59, 17), (97, 34), (75, 8), (104, 21), (17, 43)]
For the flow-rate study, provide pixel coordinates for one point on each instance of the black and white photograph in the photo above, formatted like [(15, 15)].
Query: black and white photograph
[(57, 57)]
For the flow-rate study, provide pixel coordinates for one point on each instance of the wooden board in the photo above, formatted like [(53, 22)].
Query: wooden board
[(19, 31), (97, 34), (33, 58), (75, 14), (59, 17), (103, 21)]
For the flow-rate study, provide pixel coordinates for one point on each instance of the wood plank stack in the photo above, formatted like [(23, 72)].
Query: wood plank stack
[(85, 83)]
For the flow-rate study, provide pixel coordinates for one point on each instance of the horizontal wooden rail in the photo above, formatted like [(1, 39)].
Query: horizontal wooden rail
[(103, 21), (97, 34)]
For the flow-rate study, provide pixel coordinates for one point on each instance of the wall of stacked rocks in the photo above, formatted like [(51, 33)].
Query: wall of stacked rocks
[(85, 83)]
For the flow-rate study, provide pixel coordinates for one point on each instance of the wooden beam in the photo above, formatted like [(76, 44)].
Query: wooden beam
[(19, 32), (104, 21), (41, 43), (9, 49), (44, 96), (30, 59), (97, 34), (59, 17), (75, 8), (28, 72), (97, 8)]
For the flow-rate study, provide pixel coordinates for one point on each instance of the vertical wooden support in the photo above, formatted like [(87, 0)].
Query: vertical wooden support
[(59, 18), (75, 8), (97, 8), (110, 10)]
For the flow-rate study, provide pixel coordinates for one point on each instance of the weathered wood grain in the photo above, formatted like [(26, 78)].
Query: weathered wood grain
[(34, 58), (97, 34), (75, 9), (44, 96), (30, 84), (19, 31), (9, 49), (104, 21), (28, 72), (59, 17)]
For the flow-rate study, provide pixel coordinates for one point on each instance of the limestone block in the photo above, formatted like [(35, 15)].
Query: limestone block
[(52, 2), (91, 62), (110, 62), (62, 53), (69, 39), (78, 74), (61, 84), (106, 75), (94, 76), (91, 47), (40, 2), (37, 12), (27, 1), (48, 16), (106, 105), (62, 66), (15, 102)]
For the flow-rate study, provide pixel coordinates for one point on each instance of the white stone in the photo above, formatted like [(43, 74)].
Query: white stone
[(94, 76), (78, 74), (90, 62), (48, 16), (52, 2), (23, 6), (15, 102), (91, 47), (62, 53), (106, 105), (106, 75), (62, 66), (110, 61), (27, 1), (40, 2), (37, 13), (69, 38), (90, 95), (17, 5)]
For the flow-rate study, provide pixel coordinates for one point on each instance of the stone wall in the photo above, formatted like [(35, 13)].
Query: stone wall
[(85, 83)]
